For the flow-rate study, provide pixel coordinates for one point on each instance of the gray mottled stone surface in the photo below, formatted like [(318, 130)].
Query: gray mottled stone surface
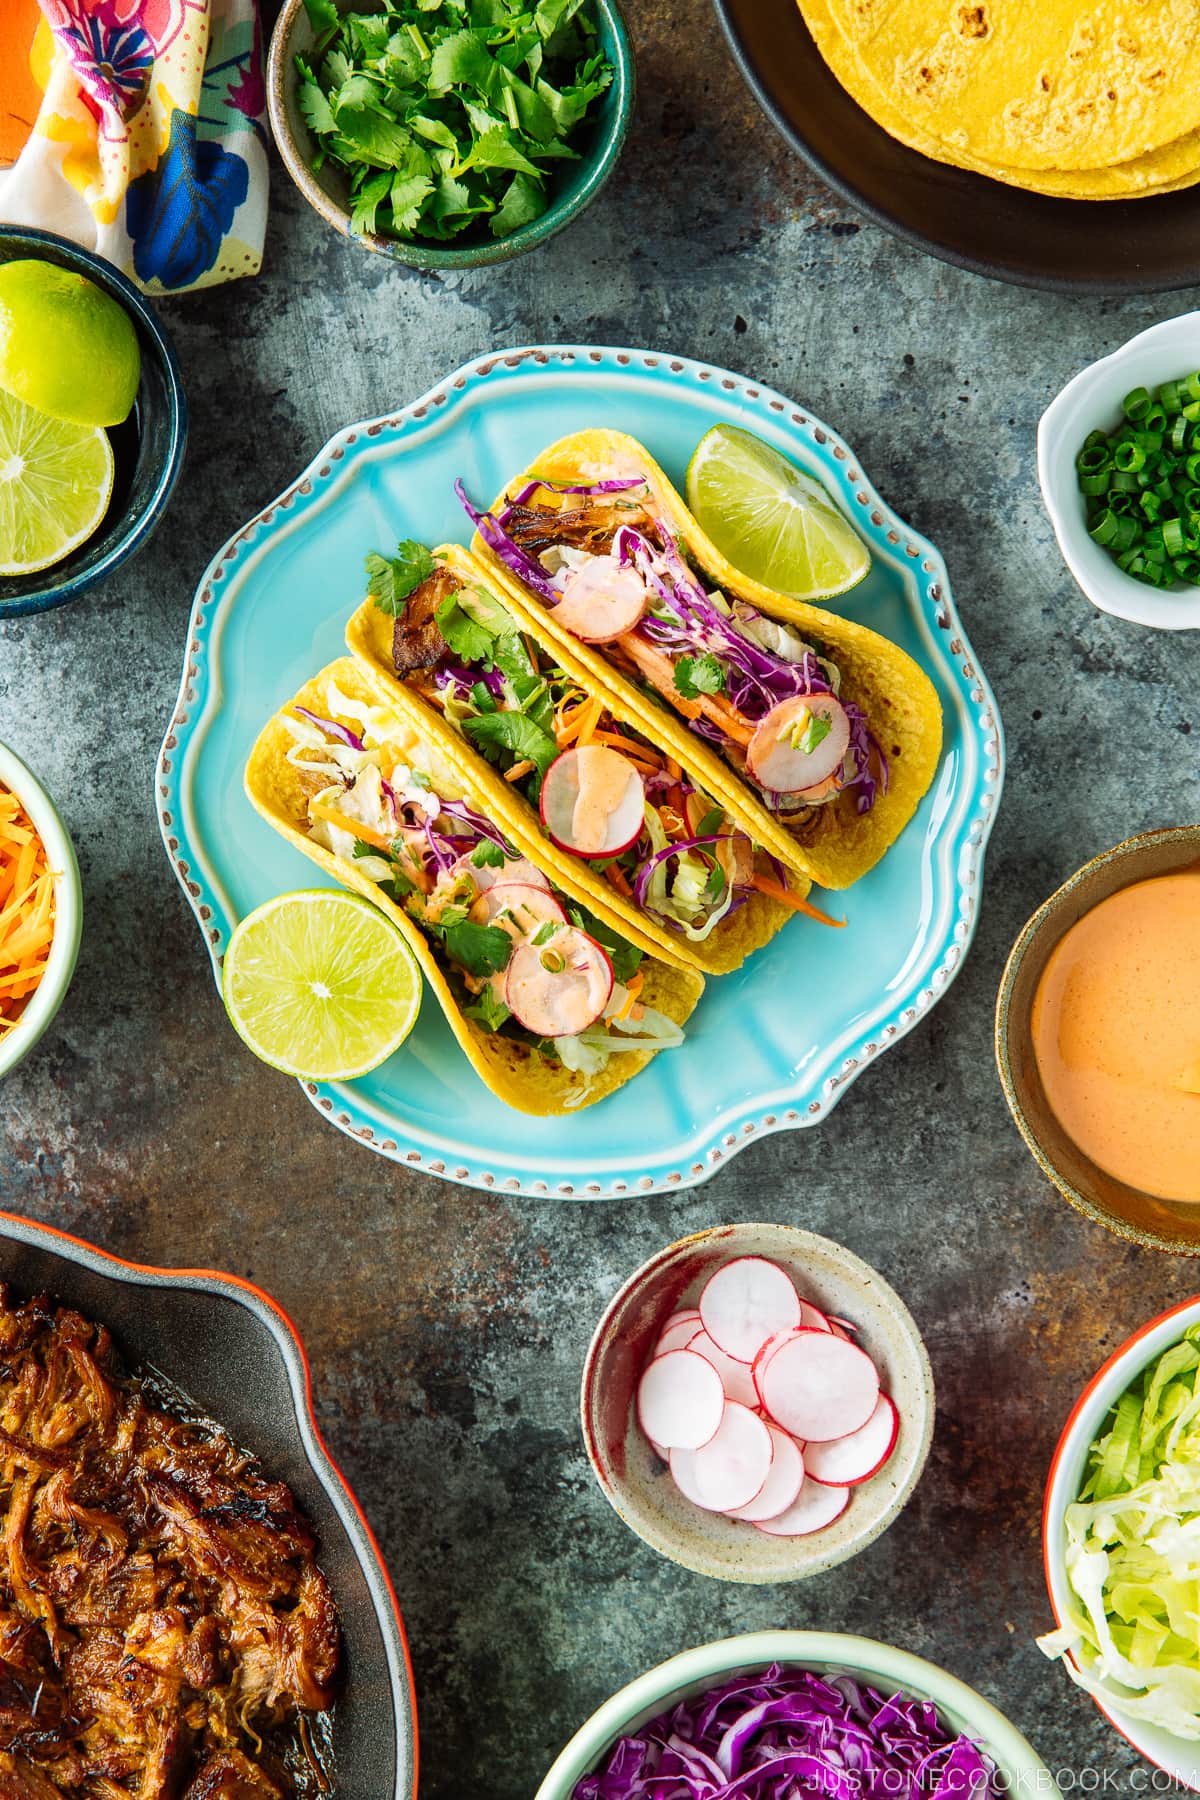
[(447, 1327)]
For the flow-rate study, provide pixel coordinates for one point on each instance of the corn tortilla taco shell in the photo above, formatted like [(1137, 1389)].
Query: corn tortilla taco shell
[(514, 1072), (369, 636), (1174, 166), (1052, 86), (901, 705)]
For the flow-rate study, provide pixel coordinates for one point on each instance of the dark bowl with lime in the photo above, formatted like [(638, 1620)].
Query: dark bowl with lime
[(147, 445)]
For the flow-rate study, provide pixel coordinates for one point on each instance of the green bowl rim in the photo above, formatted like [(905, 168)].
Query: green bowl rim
[(19, 778), (874, 1660), (1129, 847), (560, 213)]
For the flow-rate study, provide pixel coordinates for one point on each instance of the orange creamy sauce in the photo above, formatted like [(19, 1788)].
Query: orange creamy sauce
[(1116, 1034)]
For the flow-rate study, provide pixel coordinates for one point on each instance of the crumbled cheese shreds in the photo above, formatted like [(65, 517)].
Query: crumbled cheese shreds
[(26, 910)]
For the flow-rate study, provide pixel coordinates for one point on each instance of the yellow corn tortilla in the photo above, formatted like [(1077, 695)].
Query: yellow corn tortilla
[(369, 636), (1175, 165), (515, 1073), (902, 708), (1056, 85)]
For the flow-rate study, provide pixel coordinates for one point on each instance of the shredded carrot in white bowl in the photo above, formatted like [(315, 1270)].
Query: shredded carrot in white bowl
[(27, 910)]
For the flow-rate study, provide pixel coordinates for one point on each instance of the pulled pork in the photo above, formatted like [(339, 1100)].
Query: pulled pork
[(162, 1618)]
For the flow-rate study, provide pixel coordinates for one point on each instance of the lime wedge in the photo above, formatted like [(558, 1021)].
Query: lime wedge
[(774, 523), (66, 346), (55, 480), (321, 985)]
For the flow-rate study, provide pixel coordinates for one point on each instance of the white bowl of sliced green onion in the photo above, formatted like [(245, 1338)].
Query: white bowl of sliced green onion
[(1119, 466)]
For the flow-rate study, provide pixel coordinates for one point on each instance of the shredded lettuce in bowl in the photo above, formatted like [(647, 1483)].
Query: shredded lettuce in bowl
[(1132, 1637)]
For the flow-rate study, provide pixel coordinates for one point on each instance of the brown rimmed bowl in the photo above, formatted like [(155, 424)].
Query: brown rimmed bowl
[(638, 1486), (1127, 1211), (229, 1347)]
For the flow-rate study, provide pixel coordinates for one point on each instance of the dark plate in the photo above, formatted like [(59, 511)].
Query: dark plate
[(231, 1349), (1108, 247)]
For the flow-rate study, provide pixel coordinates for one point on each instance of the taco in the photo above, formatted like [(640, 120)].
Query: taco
[(553, 1005), (568, 771), (819, 735)]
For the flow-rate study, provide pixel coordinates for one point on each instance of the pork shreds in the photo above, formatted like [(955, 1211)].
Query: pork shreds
[(161, 1611), (417, 641)]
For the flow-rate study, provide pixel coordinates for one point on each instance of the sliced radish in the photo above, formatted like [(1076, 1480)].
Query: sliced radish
[(746, 1302), (680, 1401), (593, 802), (840, 1328), (559, 988), (679, 1336), (861, 1453), (685, 1312), (513, 868), (818, 1386), (660, 1450), (812, 1318), (816, 1506), (736, 1378), (521, 909), (784, 1480), (732, 1467), (800, 744), (601, 600)]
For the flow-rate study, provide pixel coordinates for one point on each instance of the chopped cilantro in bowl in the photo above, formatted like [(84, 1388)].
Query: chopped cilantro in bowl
[(450, 130)]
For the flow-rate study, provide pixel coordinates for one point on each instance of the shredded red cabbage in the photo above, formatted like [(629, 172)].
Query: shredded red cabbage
[(483, 828), (509, 552), (788, 1733), (462, 680), (331, 726)]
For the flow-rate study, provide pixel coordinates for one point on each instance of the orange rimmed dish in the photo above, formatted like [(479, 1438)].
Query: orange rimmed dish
[(1121, 1206), (41, 910)]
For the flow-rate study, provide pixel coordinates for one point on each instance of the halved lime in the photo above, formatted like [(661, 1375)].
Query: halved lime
[(55, 480), (773, 521), (66, 346), (321, 985)]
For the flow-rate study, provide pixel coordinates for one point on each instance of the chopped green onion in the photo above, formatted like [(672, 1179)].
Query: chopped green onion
[(1173, 537), (1169, 397), (1136, 404), (1128, 457)]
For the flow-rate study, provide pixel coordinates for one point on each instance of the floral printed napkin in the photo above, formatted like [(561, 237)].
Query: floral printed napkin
[(136, 128)]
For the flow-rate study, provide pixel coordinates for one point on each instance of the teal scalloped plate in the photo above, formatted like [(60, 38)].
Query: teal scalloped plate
[(771, 1047)]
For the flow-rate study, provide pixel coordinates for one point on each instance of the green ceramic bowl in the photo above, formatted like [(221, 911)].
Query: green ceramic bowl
[(1161, 1224), (828, 1652), (48, 996), (327, 190)]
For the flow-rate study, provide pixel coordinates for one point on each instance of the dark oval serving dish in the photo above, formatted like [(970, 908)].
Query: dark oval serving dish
[(1069, 246), (233, 1352)]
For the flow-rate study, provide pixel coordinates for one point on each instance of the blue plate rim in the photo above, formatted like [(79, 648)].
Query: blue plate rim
[(716, 1141)]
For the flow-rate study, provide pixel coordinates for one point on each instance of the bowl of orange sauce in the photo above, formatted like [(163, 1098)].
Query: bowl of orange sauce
[(1098, 1038)]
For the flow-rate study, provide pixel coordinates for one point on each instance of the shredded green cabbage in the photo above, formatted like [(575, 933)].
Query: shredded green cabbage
[(1132, 1637)]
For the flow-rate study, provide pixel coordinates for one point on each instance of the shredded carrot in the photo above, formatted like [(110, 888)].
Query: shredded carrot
[(773, 891), (579, 723), (673, 769), (354, 826), (633, 753), (633, 989), (617, 880), (519, 770), (27, 911)]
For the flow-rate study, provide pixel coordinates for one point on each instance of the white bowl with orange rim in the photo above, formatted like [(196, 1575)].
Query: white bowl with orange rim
[(1175, 1755), (17, 1041)]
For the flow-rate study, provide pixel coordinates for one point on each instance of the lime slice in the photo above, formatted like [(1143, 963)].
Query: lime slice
[(321, 985), (66, 346), (774, 523), (55, 480)]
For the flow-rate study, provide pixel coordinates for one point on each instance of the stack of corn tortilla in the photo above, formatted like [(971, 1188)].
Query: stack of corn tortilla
[(1096, 101)]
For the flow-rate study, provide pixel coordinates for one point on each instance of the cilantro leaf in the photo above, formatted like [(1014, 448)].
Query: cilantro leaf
[(545, 932), (714, 887), (523, 203), (398, 888), (699, 675), (322, 15), (487, 855), (711, 823), (391, 579), (515, 733), (624, 956), (487, 1010), (816, 730), (317, 111), (470, 641), (481, 950)]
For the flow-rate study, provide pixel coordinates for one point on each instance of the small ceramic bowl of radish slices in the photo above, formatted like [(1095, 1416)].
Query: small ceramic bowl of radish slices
[(757, 1403)]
